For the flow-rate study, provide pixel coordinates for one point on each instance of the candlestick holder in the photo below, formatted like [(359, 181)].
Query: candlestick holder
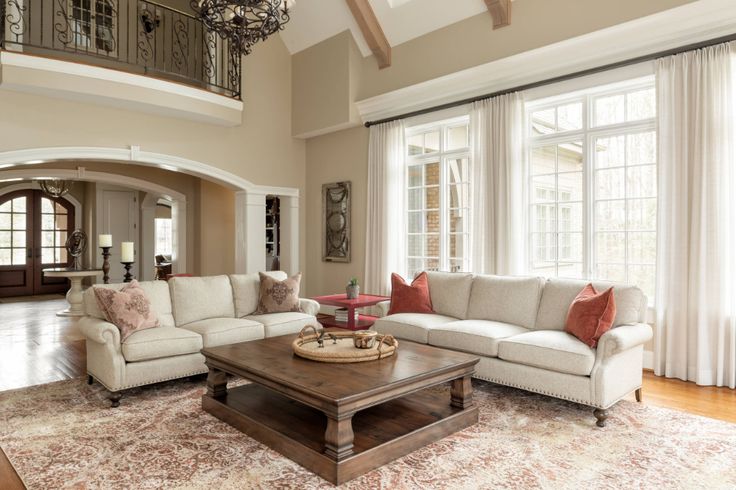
[(128, 275), (106, 264)]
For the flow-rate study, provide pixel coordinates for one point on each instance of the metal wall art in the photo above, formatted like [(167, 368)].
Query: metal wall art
[(336, 222)]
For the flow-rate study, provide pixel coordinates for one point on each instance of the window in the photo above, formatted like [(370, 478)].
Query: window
[(593, 201), (94, 23), (164, 236), (438, 197), (13, 231), (54, 226)]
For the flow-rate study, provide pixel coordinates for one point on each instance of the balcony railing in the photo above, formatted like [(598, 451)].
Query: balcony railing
[(131, 35)]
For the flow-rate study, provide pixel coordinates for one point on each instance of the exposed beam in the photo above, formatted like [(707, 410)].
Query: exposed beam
[(501, 12), (372, 32)]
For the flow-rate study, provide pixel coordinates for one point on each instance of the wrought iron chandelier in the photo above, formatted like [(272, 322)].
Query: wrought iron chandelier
[(243, 22), (54, 187)]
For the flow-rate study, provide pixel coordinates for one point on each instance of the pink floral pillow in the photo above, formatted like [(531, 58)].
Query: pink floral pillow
[(127, 309)]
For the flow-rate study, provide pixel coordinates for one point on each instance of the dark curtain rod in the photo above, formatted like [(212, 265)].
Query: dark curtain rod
[(561, 78)]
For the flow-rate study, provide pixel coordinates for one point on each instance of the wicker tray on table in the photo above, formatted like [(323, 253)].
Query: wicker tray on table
[(339, 347)]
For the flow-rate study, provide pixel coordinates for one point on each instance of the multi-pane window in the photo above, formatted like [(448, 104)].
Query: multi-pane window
[(593, 189), (54, 226), (94, 23), (438, 197), (13, 231), (164, 236)]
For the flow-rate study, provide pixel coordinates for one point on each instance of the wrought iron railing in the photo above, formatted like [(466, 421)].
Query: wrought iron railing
[(132, 35)]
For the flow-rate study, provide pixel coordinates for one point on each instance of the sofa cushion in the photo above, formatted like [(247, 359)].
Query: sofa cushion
[(475, 336), (246, 288), (548, 349), (449, 292), (505, 299), (278, 296), (591, 315), (200, 298), (410, 298), (222, 331), (157, 293), (276, 324), (128, 309), (558, 295), (156, 343), (411, 326)]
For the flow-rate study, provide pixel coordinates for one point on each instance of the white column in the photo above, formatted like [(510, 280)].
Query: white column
[(148, 244), (179, 232), (290, 234), (250, 232)]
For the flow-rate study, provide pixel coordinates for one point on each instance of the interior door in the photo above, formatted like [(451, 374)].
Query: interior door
[(120, 219), (53, 221), (16, 244)]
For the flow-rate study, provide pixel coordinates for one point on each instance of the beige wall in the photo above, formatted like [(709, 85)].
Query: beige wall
[(336, 157), (216, 235)]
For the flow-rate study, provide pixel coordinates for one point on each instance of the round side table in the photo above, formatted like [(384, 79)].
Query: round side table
[(74, 295)]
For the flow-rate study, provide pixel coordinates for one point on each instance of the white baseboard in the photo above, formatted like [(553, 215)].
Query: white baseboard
[(648, 359)]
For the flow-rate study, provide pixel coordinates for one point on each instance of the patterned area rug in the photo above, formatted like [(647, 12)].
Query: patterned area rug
[(62, 435)]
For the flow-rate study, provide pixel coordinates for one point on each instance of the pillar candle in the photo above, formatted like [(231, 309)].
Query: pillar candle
[(105, 240), (127, 253)]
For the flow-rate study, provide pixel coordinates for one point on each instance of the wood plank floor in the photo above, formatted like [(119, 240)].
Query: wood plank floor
[(37, 347)]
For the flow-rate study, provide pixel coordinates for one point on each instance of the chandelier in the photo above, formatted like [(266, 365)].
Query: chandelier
[(55, 188), (243, 22)]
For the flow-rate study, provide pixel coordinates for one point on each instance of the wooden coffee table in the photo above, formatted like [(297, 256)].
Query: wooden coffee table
[(341, 421)]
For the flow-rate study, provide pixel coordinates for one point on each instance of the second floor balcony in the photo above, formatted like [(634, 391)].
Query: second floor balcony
[(135, 36)]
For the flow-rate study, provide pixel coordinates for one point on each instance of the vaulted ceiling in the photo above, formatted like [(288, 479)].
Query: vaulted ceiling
[(377, 25)]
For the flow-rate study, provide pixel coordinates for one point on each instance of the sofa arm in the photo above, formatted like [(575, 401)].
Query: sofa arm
[(623, 338), (384, 306), (309, 306), (99, 331)]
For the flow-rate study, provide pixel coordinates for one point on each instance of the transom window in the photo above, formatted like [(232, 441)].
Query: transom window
[(438, 197), (592, 185)]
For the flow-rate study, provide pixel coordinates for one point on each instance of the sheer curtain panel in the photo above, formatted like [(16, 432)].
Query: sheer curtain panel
[(695, 327), (497, 129), (386, 213)]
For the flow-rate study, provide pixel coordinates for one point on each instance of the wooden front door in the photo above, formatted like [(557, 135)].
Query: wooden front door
[(33, 232)]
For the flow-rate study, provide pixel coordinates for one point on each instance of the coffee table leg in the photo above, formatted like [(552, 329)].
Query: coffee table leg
[(339, 437), (461, 393), (216, 383)]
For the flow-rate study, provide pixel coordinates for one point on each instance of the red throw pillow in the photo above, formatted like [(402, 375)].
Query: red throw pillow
[(591, 315), (412, 298)]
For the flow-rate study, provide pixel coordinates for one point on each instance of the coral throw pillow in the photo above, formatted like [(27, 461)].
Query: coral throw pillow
[(412, 298), (591, 315), (127, 309), (278, 296)]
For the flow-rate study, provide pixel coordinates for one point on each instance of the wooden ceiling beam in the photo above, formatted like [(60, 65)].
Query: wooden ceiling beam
[(501, 12), (372, 31)]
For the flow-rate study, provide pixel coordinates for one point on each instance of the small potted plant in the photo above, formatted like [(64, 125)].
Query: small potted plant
[(353, 288)]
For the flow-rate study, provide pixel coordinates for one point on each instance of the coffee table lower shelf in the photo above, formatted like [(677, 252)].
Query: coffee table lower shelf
[(382, 433)]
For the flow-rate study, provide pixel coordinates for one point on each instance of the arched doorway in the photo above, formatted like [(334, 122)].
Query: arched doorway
[(33, 232)]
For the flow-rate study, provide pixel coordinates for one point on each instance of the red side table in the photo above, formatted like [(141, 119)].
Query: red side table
[(342, 301)]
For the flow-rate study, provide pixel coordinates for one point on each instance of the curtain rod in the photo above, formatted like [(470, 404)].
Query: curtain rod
[(561, 78)]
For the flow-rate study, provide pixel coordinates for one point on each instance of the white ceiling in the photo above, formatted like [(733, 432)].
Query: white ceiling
[(313, 21)]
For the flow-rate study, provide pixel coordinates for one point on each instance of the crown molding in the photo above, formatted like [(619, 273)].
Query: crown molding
[(680, 26)]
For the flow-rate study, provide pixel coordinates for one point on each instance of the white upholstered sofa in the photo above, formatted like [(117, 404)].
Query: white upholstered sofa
[(516, 326), (194, 312)]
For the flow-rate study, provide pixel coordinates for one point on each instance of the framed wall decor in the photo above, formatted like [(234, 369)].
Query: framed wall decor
[(336, 222)]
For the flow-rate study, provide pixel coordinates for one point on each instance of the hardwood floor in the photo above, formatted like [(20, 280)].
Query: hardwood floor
[(37, 347)]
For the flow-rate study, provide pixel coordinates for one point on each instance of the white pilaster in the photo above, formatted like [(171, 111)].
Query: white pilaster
[(179, 232), (290, 234), (250, 232)]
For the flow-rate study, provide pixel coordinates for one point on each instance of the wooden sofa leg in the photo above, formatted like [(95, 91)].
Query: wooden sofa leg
[(90, 379), (601, 416), (637, 394), (115, 398)]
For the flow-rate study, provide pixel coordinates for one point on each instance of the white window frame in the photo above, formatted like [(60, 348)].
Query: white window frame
[(587, 135), (443, 156)]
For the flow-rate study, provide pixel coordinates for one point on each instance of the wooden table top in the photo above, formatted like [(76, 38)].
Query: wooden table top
[(272, 360)]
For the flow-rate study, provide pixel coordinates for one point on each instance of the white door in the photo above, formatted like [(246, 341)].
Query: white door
[(118, 216)]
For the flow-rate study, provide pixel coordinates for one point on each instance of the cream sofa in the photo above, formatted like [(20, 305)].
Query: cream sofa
[(516, 326), (194, 312)]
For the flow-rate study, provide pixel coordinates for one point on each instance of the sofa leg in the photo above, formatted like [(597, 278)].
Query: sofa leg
[(115, 398), (90, 379), (637, 394), (601, 416)]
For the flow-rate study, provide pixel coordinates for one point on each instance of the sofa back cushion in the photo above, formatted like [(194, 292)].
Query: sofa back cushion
[(449, 292), (200, 298), (157, 293), (246, 288), (506, 299), (558, 295)]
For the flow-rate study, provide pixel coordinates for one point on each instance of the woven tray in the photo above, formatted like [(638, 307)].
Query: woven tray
[(339, 348)]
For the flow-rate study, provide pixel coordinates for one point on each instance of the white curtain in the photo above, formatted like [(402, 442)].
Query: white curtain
[(696, 271), (385, 228), (499, 203)]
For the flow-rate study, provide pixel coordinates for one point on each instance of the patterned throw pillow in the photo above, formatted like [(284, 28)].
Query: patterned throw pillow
[(128, 309), (278, 296)]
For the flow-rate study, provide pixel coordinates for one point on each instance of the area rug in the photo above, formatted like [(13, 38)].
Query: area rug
[(63, 435)]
